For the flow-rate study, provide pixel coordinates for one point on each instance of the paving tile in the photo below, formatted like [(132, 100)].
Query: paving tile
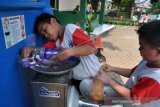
[(120, 47)]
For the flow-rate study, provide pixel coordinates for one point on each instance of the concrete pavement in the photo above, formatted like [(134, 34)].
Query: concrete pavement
[(120, 47)]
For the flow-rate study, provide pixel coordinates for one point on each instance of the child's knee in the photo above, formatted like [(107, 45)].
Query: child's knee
[(86, 87)]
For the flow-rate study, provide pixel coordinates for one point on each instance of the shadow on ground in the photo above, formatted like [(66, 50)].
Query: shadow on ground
[(110, 45)]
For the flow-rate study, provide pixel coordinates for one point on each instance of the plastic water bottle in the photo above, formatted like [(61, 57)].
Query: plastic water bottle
[(46, 53), (25, 62), (39, 54)]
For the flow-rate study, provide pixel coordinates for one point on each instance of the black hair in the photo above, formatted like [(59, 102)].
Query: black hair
[(150, 32), (143, 13), (43, 18)]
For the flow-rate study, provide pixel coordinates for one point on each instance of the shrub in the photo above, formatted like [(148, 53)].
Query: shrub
[(115, 21)]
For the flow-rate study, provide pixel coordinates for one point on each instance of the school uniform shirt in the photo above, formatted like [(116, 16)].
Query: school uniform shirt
[(74, 36), (144, 84)]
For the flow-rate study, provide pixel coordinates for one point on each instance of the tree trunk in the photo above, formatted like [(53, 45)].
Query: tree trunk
[(118, 9)]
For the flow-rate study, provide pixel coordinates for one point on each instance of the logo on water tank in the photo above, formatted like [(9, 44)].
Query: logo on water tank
[(43, 92)]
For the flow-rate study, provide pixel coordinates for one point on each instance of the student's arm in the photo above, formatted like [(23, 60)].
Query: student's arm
[(83, 45), (28, 50), (145, 91), (123, 91), (122, 71), (80, 39), (83, 50)]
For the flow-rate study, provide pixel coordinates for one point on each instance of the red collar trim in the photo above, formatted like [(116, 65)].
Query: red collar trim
[(152, 66)]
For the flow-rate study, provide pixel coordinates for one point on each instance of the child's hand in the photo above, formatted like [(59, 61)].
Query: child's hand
[(26, 52), (103, 76), (106, 68), (64, 54)]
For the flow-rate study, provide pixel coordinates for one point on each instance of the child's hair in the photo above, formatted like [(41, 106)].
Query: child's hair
[(43, 18), (150, 32)]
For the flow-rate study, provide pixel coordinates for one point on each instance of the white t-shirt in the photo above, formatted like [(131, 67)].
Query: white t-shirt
[(89, 65)]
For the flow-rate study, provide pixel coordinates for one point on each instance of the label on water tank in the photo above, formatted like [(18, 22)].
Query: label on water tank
[(13, 29), (44, 92)]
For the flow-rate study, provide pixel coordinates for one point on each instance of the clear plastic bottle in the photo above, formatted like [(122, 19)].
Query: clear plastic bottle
[(39, 54), (97, 89), (46, 53)]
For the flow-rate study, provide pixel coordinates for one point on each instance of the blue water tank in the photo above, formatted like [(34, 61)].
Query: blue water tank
[(16, 31)]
